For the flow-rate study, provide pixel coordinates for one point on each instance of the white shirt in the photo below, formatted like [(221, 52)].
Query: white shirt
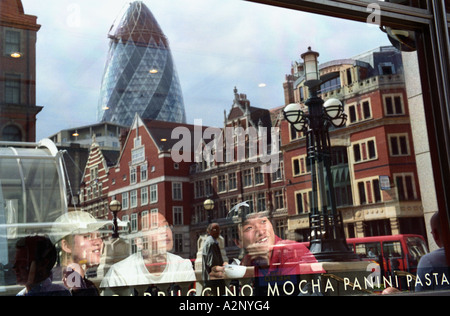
[(132, 271)]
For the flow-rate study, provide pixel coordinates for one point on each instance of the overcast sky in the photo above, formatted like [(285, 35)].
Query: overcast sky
[(216, 45)]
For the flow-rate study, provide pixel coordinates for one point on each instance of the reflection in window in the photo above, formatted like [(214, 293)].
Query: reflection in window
[(12, 89), (12, 42), (12, 133)]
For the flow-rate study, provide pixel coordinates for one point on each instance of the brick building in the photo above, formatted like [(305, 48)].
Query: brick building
[(18, 107), (147, 180), (94, 186), (373, 161), (240, 175)]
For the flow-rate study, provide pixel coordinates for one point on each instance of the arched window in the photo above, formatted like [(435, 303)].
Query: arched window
[(12, 133)]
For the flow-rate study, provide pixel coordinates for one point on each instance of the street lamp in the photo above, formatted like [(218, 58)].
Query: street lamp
[(327, 237), (209, 206), (115, 207)]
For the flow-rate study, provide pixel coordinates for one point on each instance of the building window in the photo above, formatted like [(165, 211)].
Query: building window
[(222, 209), (222, 183), (278, 174), (154, 218), (154, 193), (279, 199), (376, 190), (134, 222), (144, 173), (248, 178), (393, 104), (12, 89), (369, 191), (198, 189), (301, 166), (406, 187), (133, 199), (398, 145), (296, 167), (332, 84), (94, 173), (178, 215), (377, 228), (144, 196), (352, 113), (261, 202), (177, 191), (145, 220), (259, 176), (249, 200), (359, 112), (125, 219), (208, 187), (362, 193), (125, 204), (12, 133), (133, 177), (137, 155), (294, 133), (12, 42), (302, 201), (232, 182), (364, 150), (386, 68)]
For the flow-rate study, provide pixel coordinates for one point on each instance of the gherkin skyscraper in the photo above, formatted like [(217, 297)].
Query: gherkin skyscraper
[(140, 75)]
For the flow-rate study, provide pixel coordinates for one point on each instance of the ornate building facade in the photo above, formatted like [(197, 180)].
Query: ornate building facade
[(18, 109), (373, 160)]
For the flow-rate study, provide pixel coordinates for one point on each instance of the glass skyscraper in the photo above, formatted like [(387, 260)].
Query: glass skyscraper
[(140, 75)]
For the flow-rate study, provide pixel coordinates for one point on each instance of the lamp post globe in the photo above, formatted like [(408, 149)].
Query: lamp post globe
[(327, 236), (209, 206), (333, 108), (115, 207)]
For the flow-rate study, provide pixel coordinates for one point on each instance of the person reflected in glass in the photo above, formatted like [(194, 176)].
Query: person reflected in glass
[(212, 260), (34, 260), (264, 253), (433, 272), (81, 249), (153, 263)]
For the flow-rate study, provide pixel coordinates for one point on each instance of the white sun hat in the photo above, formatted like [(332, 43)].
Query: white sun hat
[(75, 223)]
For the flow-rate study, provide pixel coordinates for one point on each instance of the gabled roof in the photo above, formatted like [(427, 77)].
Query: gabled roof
[(161, 132), (95, 153), (241, 109)]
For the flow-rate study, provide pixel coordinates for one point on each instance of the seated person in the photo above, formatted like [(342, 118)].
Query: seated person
[(34, 260), (81, 249), (152, 266), (271, 254), (264, 252)]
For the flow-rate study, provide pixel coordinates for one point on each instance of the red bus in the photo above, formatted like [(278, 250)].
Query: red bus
[(396, 252), (393, 253)]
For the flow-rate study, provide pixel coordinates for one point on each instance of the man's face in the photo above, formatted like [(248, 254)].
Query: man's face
[(87, 249), (159, 235), (215, 231), (22, 266), (256, 230)]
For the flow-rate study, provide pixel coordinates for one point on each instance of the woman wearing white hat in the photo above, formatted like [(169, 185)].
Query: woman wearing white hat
[(81, 249)]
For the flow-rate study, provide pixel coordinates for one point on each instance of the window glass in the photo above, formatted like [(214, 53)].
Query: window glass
[(144, 117)]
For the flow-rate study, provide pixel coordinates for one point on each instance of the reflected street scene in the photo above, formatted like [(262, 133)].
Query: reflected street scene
[(216, 149)]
